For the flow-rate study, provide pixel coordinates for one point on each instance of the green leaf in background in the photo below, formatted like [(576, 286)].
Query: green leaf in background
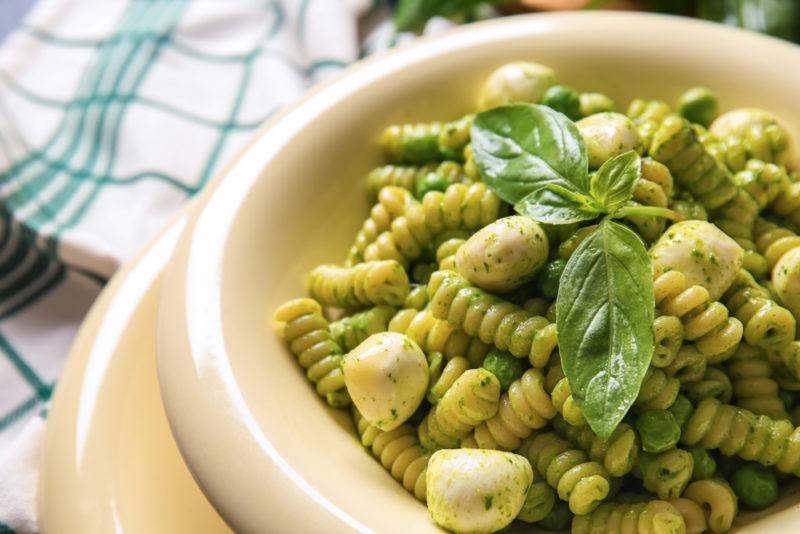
[(555, 204), (413, 14), (779, 18), (522, 147), (605, 311), (612, 185)]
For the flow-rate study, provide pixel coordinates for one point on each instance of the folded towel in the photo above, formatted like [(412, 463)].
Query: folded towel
[(112, 114)]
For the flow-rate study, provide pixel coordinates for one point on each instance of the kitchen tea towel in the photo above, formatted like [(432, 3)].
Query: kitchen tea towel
[(112, 114)]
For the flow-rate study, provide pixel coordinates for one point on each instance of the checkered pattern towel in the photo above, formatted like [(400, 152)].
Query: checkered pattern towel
[(112, 113)]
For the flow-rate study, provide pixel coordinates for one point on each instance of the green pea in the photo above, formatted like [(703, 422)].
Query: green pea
[(755, 485), (433, 181), (550, 276), (658, 430), (564, 99), (681, 410), (504, 366), (788, 398), (559, 517), (704, 464), (592, 103), (698, 105)]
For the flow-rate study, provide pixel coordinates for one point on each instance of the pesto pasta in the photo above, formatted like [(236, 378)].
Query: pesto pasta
[(556, 313)]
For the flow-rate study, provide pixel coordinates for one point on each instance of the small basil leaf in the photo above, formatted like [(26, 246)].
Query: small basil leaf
[(612, 186), (604, 313), (521, 147), (554, 204)]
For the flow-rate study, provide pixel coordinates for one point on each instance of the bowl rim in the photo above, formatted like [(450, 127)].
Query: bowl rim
[(197, 263)]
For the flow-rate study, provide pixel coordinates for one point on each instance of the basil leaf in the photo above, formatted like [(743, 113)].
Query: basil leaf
[(612, 186), (605, 311), (553, 204), (413, 14), (521, 147)]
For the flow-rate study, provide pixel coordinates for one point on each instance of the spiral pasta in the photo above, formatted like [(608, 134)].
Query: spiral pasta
[(398, 451), (666, 474), (306, 331), (715, 383), (653, 517), (392, 202), (736, 431), (472, 399), (618, 453), (706, 323), (648, 115), (653, 188), (491, 318), (426, 142), (584, 484), (675, 144), (408, 176), (442, 378), (718, 498), (754, 388), (565, 404), (434, 335), (667, 339), (446, 253), (688, 366), (349, 331), (658, 391), (364, 284), (417, 297), (693, 515), (766, 324), (460, 206), (526, 406)]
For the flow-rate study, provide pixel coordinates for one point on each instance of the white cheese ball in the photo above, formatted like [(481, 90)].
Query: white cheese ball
[(702, 252), (607, 135), (520, 81), (504, 254), (786, 280), (475, 490), (386, 377)]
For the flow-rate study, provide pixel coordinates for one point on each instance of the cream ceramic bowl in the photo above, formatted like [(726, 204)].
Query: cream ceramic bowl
[(110, 463), (267, 451)]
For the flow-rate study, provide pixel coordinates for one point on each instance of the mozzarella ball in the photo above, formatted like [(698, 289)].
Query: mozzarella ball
[(607, 135), (702, 252), (504, 254), (386, 377), (520, 81), (786, 280), (475, 490)]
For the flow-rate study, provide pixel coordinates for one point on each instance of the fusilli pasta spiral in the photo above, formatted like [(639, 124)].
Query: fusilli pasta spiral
[(617, 454), (706, 323), (364, 284), (675, 144), (736, 431), (306, 331), (654, 517), (473, 398), (584, 484), (467, 207), (526, 406), (399, 452), (491, 318)]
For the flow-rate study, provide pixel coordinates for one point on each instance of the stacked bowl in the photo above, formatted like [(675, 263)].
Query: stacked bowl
[(181, 410)]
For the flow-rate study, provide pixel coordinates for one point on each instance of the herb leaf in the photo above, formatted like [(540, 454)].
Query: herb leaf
[(554, 204), (612, 186), (522, 147), (604, 313)]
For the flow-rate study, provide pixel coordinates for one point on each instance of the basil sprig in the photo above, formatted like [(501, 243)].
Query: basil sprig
[(535, 158)]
